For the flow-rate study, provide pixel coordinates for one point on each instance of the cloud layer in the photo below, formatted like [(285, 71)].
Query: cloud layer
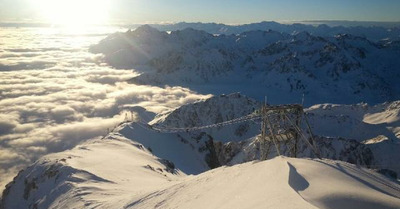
[(54, 95)]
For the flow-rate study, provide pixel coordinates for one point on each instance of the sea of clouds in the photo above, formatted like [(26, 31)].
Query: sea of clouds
[(54, 94)]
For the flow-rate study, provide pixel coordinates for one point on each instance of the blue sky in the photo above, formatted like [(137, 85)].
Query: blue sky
[(223, 11)]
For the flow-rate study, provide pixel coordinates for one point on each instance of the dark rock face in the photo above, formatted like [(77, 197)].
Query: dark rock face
[(388, 173), (242, 129), (31, 180), (169, 166), (347, 150), (6, 191), (211, 157), (227, 151), (206, 145)]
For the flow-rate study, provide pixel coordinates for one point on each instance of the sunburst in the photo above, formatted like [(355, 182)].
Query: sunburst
[(74, 12)]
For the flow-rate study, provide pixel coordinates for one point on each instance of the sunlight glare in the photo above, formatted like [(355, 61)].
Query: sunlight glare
[(74, 12)]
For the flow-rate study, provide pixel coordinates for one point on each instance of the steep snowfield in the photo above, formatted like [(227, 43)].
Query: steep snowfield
[(117, 173), (336, 69)]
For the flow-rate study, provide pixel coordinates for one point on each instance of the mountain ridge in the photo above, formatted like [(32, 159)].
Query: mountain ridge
[(372, 31), (344, 68)]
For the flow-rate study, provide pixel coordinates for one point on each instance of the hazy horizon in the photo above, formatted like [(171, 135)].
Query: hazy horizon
[(330, 23), (158, 11)]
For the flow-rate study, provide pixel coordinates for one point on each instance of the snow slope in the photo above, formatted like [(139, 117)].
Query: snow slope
[(118, 173), (279, 183), (340, 69)]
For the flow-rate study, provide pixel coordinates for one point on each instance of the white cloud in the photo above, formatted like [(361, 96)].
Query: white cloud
[(7, 156)]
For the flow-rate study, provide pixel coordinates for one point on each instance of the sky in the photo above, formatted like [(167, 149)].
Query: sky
[(221, 11)]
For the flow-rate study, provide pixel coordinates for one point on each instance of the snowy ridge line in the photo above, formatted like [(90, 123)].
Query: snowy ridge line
[(196, 128)]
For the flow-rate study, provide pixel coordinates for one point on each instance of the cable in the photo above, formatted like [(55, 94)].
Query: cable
[(249, 117)]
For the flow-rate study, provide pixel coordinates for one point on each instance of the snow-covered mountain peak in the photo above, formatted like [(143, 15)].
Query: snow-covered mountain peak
[(190, 32), (391, 43), (362, 44), (146, 31), (342, 69), (301, 35), (190, 37), (255, 40), (209, 111)]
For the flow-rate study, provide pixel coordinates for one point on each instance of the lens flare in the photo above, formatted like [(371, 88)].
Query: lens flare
[(74, 12)]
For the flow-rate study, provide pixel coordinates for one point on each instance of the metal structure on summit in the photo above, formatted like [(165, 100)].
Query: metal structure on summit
[(280, 125)]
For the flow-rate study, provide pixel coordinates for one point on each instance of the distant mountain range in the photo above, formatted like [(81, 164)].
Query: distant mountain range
[(343, 68), (347, 23), (371, 30)]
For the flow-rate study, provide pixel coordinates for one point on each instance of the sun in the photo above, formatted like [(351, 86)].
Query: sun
[(74, 12)]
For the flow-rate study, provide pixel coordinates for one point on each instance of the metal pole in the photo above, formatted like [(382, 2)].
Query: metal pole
[(263, 153), (311, 134), (304, 138), (273, 135)]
